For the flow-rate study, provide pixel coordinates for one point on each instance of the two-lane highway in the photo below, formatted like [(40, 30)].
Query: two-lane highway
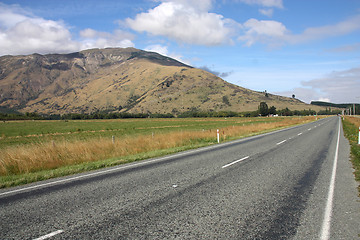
[(291, 184)]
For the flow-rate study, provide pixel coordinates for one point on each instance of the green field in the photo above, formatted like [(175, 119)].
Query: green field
[(37, 150), (14, 133)]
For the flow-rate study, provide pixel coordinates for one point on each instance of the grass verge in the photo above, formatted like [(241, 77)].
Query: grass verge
[(351, 130), (20, 179)]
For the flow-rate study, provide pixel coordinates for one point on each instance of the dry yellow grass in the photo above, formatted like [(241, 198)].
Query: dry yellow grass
[(354, 120), (351, 129), (51, 155)]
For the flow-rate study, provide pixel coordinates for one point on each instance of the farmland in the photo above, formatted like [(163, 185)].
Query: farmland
[(37, 150)]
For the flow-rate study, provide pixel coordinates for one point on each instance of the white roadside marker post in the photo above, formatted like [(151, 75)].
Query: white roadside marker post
[(218, 136), (359, 137)]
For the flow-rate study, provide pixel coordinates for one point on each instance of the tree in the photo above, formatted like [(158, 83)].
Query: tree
[(226, 100), (263, 109), (286, 112), (266, 94), (272, 110)]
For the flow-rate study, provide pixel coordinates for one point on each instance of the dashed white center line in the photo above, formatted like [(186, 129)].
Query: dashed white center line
[(300, 134), (49, 235), (281, 142), (309, 129), (228, 165)]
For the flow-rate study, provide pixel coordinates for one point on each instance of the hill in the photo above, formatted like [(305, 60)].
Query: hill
[(338, 105), (126, 80)]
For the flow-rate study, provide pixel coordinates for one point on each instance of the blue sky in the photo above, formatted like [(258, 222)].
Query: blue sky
[(310, 48)]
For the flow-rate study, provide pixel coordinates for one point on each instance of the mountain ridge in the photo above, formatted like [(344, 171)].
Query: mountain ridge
[(121, 79)]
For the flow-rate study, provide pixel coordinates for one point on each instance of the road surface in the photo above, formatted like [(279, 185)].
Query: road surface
[(291, 184)]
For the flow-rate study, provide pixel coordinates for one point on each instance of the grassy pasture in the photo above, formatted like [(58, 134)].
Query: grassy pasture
[(37, 150), (13, 133)]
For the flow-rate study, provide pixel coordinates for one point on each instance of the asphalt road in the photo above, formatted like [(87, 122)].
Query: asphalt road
[(292, 184)]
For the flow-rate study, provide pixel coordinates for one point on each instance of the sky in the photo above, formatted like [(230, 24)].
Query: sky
[(310, 48)]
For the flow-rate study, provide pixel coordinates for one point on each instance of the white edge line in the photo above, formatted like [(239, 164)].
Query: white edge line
[(228, 165), (100, 172), (281, 142), (325, 230), (49, 235)]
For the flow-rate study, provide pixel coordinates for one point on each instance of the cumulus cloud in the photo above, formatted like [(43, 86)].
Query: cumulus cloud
[(201, 5), (186, 22), (96, 39), (21, 32), (163, 50), (11, 15), (336, 87)]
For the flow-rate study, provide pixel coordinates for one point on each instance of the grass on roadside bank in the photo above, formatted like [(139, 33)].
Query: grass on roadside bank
[(351, 130), (44, 160)]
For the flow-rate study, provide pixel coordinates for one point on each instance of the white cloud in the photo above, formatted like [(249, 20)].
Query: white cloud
[(324, 100), (186, 22), (23, 33), (314, 33), (10, 15), (336, 87), (267, 12), (97, 39), (264, 3), (201, 5), (265, 31), (163, 50), (274, 33)]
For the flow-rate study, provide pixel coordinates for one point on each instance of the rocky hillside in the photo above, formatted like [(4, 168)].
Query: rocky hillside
[(117, 79)]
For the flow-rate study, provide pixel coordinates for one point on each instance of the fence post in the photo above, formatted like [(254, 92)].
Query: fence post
[(113, 139), (218, 136)]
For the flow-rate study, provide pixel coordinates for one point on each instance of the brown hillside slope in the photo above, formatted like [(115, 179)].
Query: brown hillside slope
[(121, 80)]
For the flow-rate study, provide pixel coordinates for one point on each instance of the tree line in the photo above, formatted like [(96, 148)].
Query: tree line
[(263, 110)]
